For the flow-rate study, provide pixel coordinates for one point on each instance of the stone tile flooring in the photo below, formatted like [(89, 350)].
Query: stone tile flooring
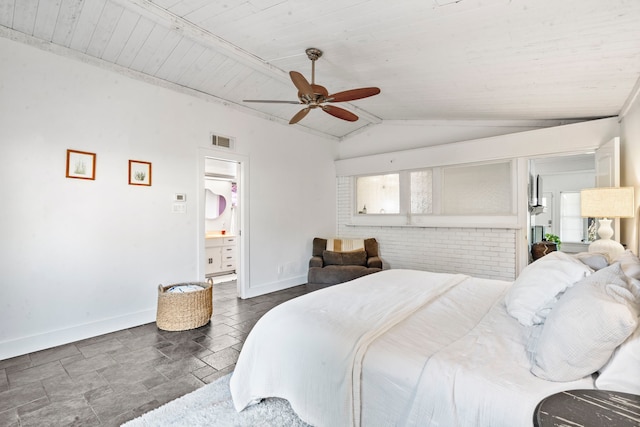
[(110, 379)]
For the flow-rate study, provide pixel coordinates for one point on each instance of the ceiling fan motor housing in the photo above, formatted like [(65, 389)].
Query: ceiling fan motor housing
[(313, 53)]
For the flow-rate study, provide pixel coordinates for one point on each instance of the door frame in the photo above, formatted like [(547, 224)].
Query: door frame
[(608, 172), (524, 246), (243, 281)]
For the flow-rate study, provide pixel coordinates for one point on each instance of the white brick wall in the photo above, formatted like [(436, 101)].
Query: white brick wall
[(480, 252)]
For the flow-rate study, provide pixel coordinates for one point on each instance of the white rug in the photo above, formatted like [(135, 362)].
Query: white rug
[(211, 405)]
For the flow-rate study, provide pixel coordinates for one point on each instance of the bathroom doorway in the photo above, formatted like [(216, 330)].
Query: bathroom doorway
[(223, 232), (220, 219)]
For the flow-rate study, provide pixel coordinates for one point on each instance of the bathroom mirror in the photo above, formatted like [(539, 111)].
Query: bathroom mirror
[(215, 204)]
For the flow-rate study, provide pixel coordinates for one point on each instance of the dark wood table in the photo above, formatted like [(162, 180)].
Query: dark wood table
[(588, 408)]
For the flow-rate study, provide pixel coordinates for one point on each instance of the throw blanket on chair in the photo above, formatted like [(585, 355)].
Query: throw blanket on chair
[(345, 245)]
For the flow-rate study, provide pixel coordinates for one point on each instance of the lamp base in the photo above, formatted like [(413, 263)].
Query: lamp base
[(609, 247)]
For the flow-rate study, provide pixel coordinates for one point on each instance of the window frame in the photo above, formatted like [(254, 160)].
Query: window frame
[(356, 203), (584, 221), (435, 219)]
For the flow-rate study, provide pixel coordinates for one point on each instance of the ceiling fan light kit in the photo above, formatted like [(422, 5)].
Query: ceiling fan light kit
[(313, 96)]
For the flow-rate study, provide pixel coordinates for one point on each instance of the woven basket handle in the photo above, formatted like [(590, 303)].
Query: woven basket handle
[(160, 288)]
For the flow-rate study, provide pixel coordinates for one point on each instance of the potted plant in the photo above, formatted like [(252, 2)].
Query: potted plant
[(553, 238), (550, 243)]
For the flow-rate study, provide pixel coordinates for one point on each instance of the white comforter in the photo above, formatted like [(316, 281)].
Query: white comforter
[(399, 347)]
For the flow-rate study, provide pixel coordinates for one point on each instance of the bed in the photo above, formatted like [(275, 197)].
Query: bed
[(406, 347)]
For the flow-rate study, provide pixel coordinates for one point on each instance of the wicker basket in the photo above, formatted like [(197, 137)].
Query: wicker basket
[(182, 311)]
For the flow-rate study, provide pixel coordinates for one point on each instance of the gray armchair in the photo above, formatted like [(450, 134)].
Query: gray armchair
[(328, 268)]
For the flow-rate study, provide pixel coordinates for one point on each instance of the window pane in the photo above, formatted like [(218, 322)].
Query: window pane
[(572, 225), (422, 192), (477, 190), (378, 194)]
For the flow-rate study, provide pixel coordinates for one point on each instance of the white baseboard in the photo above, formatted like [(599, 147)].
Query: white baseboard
[(29, 344), (275, 286)]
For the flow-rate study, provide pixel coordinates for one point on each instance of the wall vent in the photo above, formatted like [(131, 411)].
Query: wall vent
[(221, 141)]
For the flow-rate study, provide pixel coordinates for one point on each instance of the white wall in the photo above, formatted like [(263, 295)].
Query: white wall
[(630, 172), (400, 135), (493, 252), (567, 139), (80, 258), (482, 252)]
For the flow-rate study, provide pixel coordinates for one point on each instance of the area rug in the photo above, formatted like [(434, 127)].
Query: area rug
[(211, 405)]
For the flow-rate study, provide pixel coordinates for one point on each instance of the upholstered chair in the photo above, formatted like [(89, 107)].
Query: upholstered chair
[(341, 261)]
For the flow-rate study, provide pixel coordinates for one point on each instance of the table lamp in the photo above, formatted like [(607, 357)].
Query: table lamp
[(606, 203)]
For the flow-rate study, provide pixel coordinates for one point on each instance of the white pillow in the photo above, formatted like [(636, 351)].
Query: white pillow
[(594, 260), (536, 289), (589, 321), (622, 372), (630, 264)]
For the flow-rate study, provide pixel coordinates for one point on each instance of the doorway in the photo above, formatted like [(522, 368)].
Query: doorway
[(220, 219), (566, 176), (223, 232), (558, 180)]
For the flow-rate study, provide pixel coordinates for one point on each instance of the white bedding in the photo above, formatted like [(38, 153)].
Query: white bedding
[(399, 347)]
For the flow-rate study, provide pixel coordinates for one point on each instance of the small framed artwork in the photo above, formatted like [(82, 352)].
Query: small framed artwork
[(81, 165), (139, 173)]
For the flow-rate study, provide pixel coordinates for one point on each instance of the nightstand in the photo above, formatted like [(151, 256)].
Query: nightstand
[(588, 408)]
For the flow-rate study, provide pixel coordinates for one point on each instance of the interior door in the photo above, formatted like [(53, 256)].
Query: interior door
[(608, 172)]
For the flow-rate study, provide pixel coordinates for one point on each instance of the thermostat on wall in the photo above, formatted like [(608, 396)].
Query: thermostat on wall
[(179, 208), (180, 197)]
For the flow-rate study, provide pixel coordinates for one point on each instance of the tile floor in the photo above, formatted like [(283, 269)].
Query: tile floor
[(112, 378)]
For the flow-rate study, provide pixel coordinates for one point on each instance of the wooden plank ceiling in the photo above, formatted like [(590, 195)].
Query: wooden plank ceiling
[(432, 59)]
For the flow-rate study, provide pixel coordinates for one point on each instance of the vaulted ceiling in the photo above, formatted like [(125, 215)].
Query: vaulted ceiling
[(432, 59)]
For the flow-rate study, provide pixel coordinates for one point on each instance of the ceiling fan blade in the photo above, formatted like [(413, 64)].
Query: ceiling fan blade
[(340, 113), (299, 116), (353, 94), (304, 87), (271, 101)]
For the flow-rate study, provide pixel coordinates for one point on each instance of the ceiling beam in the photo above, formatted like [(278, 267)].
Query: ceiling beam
[(172, 21)]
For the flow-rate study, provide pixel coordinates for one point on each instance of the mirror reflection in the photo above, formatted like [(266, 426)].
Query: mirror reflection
[(215, 204)]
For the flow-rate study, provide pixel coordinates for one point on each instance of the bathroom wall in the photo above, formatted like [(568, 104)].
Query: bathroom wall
[(224, 220)]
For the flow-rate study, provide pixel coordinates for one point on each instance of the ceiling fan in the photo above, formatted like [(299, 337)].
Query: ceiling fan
[(315, 96)]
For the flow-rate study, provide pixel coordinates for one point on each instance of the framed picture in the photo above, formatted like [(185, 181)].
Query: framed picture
[(139, 173), (81, 165)]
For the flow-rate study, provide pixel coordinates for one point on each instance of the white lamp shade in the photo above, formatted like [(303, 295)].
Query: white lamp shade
[(607, 202)]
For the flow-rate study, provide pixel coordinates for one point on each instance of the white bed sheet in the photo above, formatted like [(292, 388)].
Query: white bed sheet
[(484, 379), (456, 360), (309, 350), (396, 360)]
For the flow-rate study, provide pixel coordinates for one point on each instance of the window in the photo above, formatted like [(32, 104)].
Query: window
[(383, 194), (453, 194), (421, 187), (572, 225), (378, 194), (477, 189)]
